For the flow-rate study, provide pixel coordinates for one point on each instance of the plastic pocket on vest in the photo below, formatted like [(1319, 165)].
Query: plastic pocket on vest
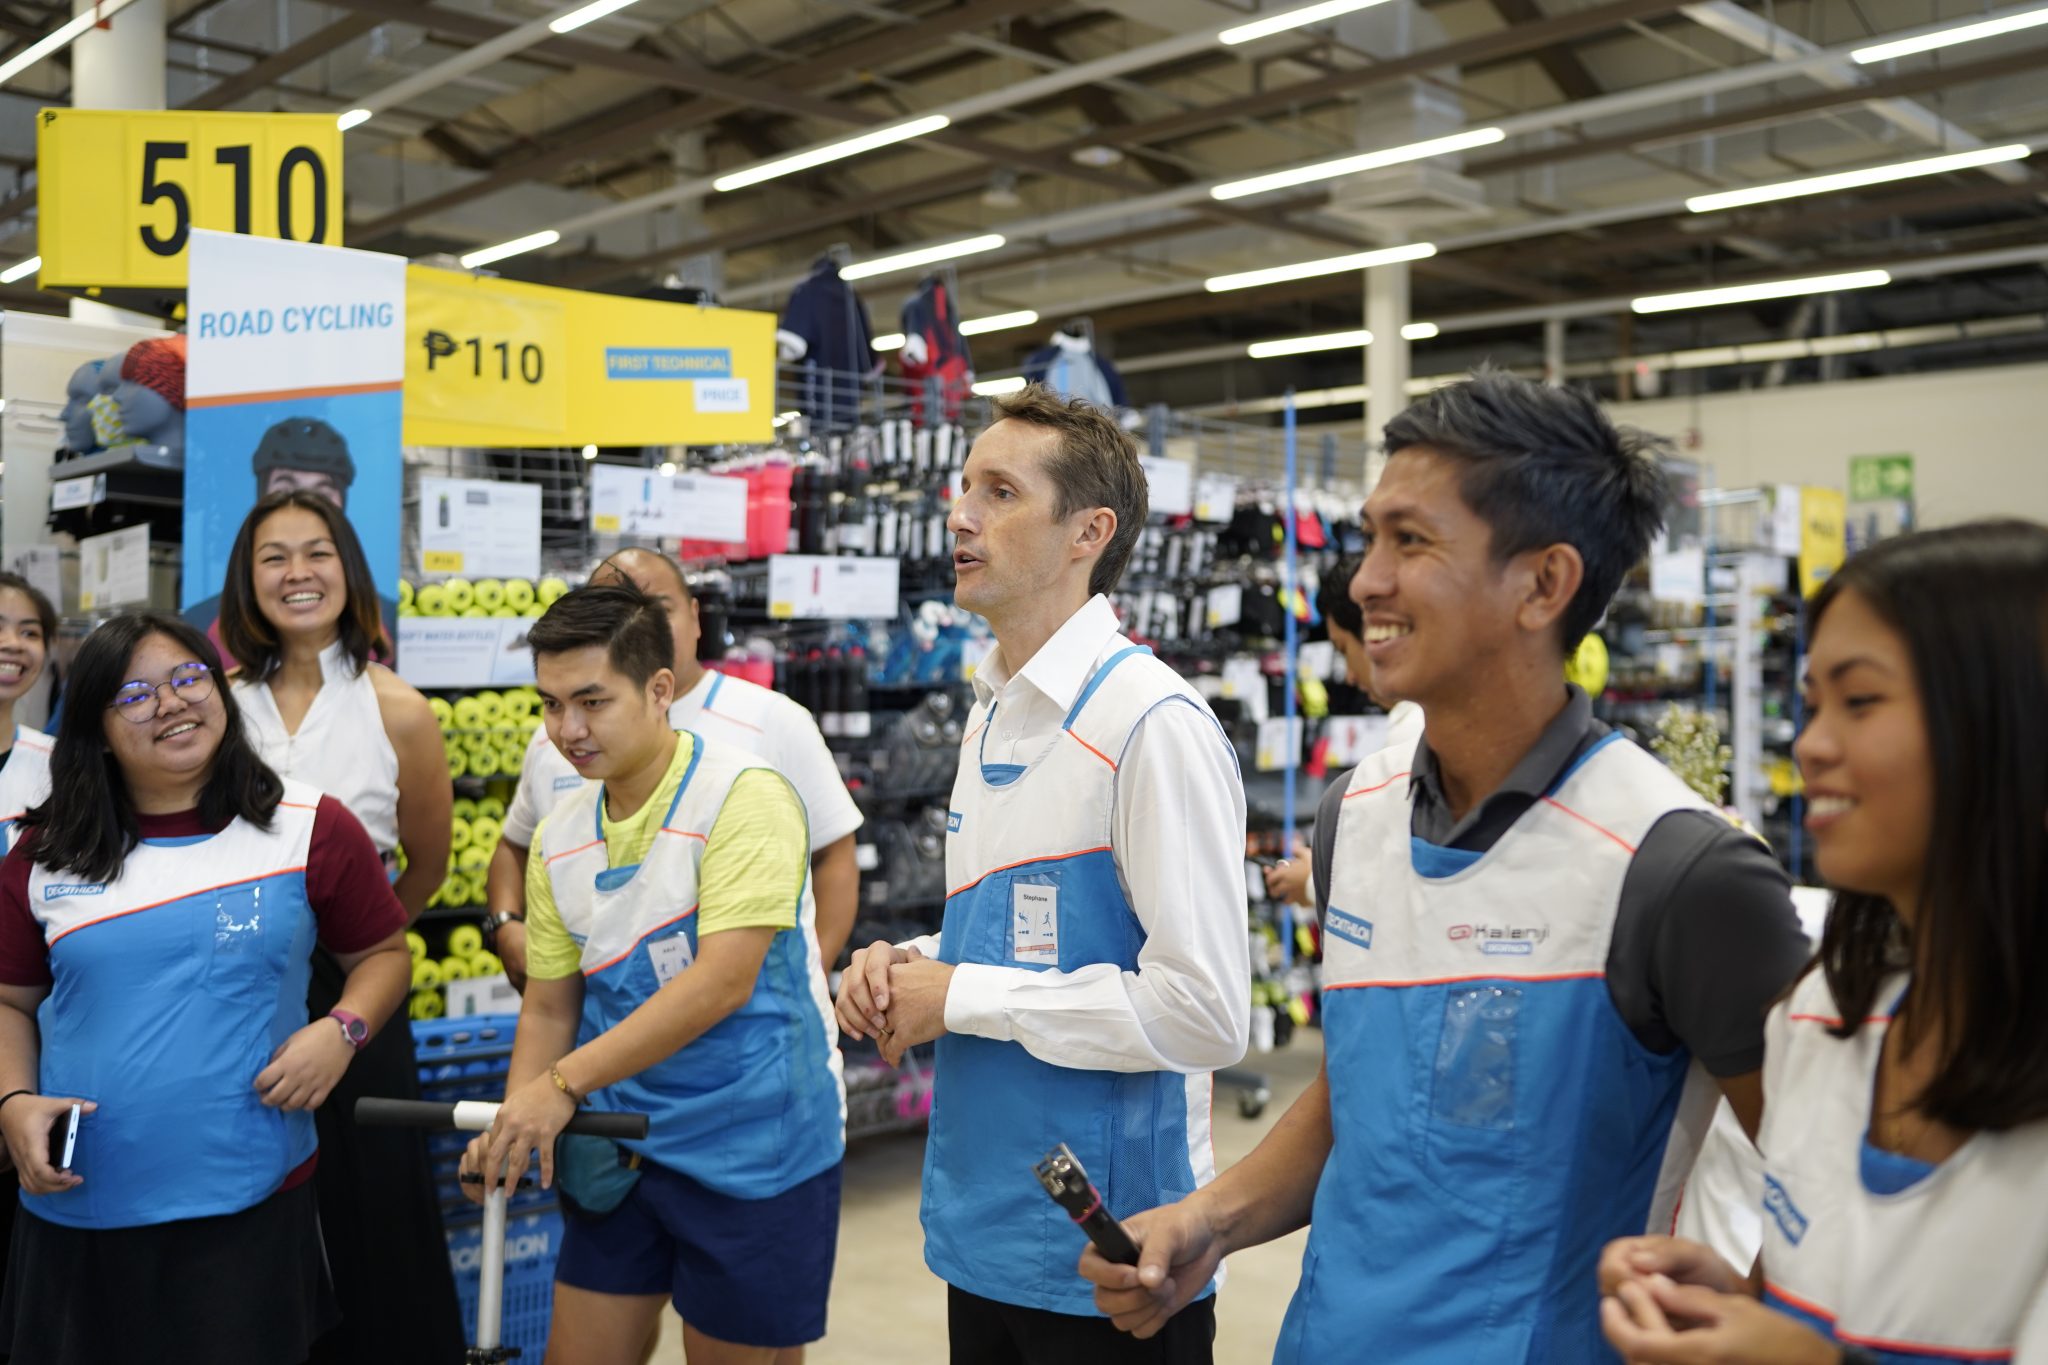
[(1475, 1058)]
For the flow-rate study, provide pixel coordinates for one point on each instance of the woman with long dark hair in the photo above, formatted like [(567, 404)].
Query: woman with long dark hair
[(157, 921), (299, 610), (1905, 1131), (28, 628)]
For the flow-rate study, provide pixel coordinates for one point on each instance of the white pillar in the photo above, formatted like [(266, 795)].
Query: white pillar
[(120, 66), (1553, 351), (1386, 360)]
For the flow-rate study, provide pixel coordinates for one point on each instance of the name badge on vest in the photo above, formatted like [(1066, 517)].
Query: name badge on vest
[(669, 955), (1035, 923)]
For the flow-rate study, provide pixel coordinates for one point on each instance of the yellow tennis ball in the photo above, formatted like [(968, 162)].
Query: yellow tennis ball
[(461, 594), (472, 860), (463, 808), (427, 1005), (480, 887), (1588, 666), (432, 600), (404, 592), (458, 763), (491, 706), (475, 614), (492, 807), (486, 832), (465, 940), (426, 974), (444, 714), (484, 762), (454, 969), (469, 713), (460, 833), (548, 590), (416, 946), (486, 964), (519, 593), (490, 593)]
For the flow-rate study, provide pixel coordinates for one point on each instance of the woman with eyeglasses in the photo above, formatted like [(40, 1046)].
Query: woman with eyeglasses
[(158, 917), (1905, 1128), (299, 611), (28, 626)]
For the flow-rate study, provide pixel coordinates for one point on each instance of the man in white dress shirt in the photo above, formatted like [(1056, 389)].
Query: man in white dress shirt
[(1092, 969), (724, 710)]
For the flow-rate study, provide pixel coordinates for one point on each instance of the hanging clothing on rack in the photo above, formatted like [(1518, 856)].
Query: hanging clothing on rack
[(825, 326), (934, 349), (1071, 368)]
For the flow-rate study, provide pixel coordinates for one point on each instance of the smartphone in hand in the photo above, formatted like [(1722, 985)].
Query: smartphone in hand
[(64, 1139)]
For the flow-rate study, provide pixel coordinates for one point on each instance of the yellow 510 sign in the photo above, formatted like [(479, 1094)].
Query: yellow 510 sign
[(122, 190)]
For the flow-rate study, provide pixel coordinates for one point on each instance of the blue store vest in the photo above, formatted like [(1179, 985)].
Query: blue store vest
[(1496, 1122), (1035, 885), (173, 985), (754, 1105)]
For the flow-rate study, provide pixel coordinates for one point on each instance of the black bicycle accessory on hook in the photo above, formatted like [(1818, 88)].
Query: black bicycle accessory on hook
[(1068, 1184)]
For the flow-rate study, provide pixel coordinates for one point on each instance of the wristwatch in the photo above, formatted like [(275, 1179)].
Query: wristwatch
[(498, 919), (352, 1028)]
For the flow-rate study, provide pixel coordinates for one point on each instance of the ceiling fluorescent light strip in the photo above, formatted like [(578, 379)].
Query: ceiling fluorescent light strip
[(834, 151), (21, 270), (591, 13), (1329, 341), (888, 341), (1849, 180), (518, 246), (997, 322), (354, 118), (1364, 161), (55, 41), (1962, 33), (996, 388), (1752, 293), (930, 255), (1292, 19), (1329, 265)]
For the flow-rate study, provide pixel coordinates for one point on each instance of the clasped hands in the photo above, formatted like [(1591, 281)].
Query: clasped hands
[(896, 996)]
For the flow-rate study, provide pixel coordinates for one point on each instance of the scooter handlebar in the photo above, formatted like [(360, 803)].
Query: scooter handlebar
[(476, 1116)]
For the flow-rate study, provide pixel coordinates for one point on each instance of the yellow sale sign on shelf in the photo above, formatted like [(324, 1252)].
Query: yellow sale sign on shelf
[(121, 190), (503, 363), (1823, 536)]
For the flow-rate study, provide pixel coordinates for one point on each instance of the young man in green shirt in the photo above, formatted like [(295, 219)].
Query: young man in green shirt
[(673, 970)]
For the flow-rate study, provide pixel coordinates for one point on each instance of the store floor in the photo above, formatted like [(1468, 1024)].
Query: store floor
[(886, 1306)]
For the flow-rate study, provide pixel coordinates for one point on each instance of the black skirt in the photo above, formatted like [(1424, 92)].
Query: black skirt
[(246, 1288), (379, 1212)]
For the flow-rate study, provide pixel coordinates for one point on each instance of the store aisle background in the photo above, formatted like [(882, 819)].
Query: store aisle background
[(886, 1306)]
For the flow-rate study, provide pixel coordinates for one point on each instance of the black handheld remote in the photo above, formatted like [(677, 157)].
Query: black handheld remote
[(1070, 1188)]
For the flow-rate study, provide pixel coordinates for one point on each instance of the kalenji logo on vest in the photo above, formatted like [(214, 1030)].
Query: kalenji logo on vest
[(1790, 1220), (1502, 940), (58, 892)]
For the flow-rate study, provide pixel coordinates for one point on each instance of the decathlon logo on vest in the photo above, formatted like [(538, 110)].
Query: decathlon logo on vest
[(1791, 1221), (1502, 940), (61, 890), (568, 782), (1350, 928), (952, 822)]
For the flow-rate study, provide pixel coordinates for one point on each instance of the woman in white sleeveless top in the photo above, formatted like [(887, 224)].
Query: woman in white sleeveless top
[(299, 613), (28, 626), (1905, 1128)]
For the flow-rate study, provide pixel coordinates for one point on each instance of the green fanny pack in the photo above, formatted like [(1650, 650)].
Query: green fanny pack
[(593, 1174)]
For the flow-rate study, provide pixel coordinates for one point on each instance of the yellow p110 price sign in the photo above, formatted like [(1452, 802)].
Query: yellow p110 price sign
[(486, 361), (121, 190)]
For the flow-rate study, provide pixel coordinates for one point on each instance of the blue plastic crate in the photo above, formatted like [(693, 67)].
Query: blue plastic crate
[(533, 1239)]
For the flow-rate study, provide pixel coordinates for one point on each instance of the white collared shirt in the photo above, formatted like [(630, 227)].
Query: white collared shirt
[(1178, 842)]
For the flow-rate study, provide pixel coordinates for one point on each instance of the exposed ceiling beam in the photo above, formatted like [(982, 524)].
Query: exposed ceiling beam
[(1559, 62), (696, 112), (1762, 113), (1097, 104)]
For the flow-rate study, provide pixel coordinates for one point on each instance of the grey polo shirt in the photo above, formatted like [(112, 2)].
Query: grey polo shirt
[(1705, 937)]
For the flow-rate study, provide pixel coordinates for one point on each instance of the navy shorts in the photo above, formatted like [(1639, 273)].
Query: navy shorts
[(754, 1272)]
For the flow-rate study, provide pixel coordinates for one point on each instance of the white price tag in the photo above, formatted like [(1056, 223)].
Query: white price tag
[(1035, 923), (67, 494), (1353, 739), (482, 995), (831, 588), (1226, 605), (1317, 659), (1278, 738), (1679, 576), (479, 528), (458, 651), (1242, 678), (1171, 485), (1215, 498), (670, 956), (113, 569), (710, 506)]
